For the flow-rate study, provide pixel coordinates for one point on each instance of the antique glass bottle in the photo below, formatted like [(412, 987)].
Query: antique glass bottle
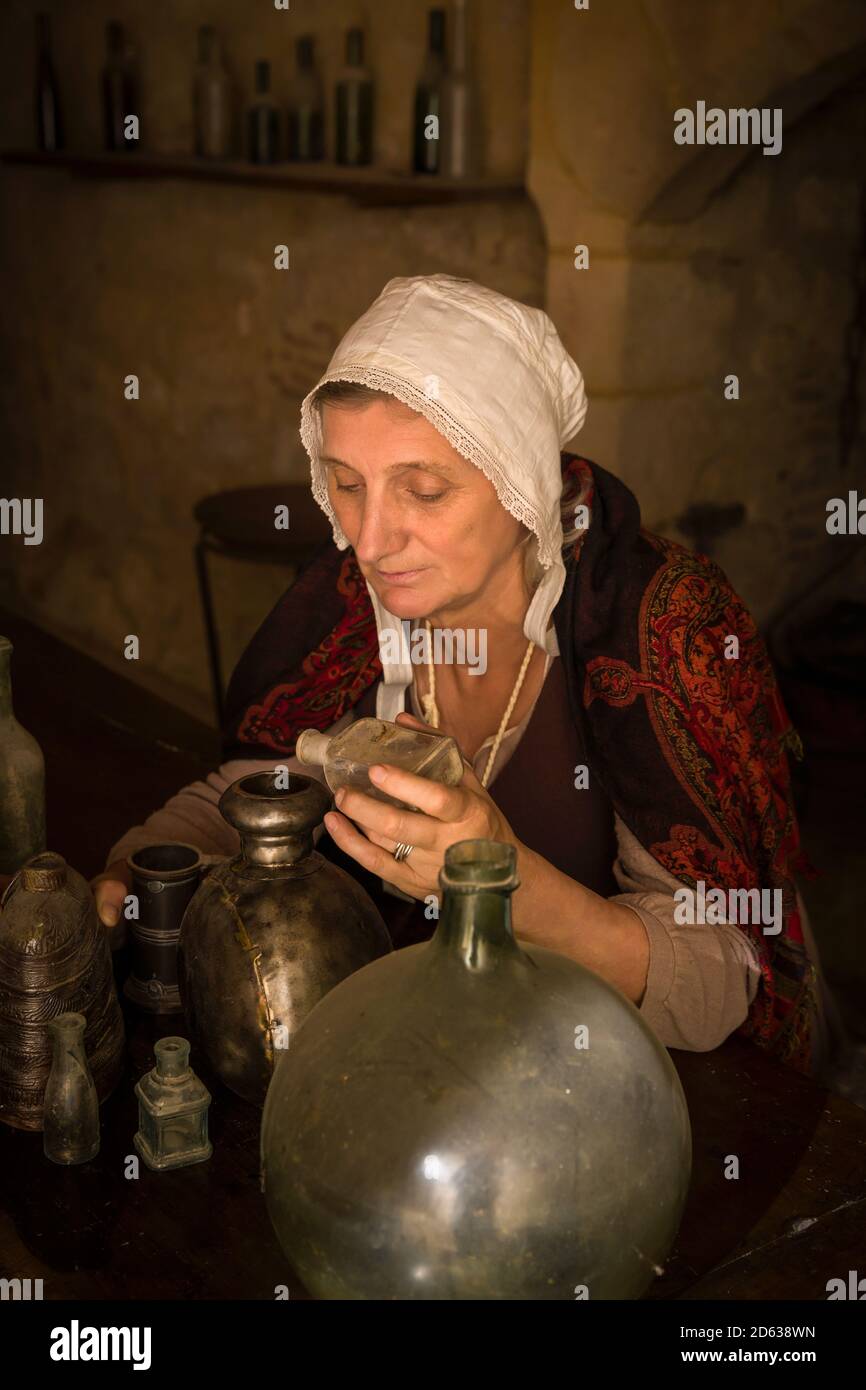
[(347, 756), (263, 120), (428, 99), (459, 145), (70, 1126), (354, 106), (212, 98), (469, 1118), (306, 111), (172, 1110), (120, 89), (22, 780), (49, 126)]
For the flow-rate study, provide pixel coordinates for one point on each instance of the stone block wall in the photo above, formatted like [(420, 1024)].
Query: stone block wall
[(711, 260)]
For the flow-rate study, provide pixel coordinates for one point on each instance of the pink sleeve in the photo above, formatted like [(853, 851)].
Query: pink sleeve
[(701, 978)]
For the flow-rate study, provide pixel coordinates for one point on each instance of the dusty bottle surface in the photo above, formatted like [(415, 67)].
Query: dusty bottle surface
[(22, 780), (348, 756), (71, 1121)]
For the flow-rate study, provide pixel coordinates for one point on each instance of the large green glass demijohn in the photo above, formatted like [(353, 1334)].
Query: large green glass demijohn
[(470, 1118)]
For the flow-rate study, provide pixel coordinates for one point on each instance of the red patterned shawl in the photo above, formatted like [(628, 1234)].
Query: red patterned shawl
[(690, 746)]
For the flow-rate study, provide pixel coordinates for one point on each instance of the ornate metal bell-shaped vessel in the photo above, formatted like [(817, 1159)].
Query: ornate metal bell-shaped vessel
[(269, 932), (469, 1119), (54, 959)]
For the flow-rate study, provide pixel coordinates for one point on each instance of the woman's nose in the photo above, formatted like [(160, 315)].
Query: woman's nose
[(376, 533)]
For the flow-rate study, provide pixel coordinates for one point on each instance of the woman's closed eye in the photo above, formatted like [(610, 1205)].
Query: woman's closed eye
[(420, 496)]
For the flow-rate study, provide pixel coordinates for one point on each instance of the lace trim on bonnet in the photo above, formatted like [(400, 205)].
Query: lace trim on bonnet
[(511, 497)]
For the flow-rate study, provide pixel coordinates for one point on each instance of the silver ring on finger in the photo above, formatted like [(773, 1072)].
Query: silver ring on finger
[(402, 852)]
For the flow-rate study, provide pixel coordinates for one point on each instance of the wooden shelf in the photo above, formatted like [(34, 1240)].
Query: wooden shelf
[(368, 187)]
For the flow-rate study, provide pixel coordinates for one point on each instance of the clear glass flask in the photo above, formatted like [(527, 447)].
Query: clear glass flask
[(347, 756)]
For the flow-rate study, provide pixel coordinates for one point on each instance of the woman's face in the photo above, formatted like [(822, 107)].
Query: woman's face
[(428, 529)]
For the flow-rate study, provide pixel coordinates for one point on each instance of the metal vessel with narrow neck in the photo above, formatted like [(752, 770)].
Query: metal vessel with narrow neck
[(269, 932)]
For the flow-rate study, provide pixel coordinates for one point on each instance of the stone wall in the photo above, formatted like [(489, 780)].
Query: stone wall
[(710, 260)]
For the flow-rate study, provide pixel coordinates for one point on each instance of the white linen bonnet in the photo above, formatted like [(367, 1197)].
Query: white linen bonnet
[(492, 376)]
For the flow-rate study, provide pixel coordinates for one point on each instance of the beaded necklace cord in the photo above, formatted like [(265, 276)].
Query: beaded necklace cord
[(431, 709)]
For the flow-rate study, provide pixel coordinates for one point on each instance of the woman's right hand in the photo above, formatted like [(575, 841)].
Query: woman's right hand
[(110, 889)]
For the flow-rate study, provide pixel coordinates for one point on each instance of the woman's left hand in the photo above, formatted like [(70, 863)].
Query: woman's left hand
[(445, 815)]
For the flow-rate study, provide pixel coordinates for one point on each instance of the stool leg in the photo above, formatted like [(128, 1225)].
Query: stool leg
[(213, 650)]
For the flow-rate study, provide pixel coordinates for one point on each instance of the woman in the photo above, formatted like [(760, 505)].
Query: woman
[(624, 731)]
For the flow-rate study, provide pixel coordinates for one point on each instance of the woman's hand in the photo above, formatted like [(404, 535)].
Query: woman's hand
[(110, 888), (446, 815)]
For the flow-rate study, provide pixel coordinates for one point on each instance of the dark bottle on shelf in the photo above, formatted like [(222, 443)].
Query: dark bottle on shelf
[(212, 98), (263, 120), (429, 93), (119, 90), (49, 127), (459, 154), (355, 105), (306, 115)]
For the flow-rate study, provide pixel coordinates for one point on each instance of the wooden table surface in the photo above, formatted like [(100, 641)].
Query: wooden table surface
[(794, 1218)]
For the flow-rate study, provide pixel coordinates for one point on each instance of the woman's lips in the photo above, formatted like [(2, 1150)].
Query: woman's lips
[(399, 576)]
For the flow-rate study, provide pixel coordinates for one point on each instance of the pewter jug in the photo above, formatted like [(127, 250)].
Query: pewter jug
[(54, 959), (269, 932), (470, 1118)]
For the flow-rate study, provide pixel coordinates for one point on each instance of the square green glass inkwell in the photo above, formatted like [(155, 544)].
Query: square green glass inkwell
[(172, 1110)]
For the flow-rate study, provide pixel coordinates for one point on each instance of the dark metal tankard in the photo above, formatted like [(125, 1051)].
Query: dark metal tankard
[(164, 879)]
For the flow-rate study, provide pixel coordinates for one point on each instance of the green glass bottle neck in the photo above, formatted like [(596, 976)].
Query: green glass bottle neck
[(475, 927), (68, 1042)]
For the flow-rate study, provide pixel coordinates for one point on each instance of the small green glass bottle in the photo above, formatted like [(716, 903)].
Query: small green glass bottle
[(22, 780), (70, 1125)]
